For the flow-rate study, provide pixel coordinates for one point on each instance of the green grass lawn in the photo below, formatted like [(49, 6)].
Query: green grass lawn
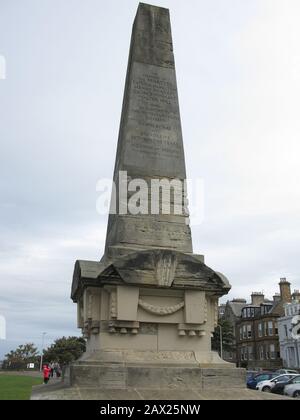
[(17, 387)]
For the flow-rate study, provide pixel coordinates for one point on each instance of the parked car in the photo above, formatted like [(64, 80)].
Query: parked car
[(284, 371), (267, 385), (250, 374), (263, 376), (293, 388), (278, 388)]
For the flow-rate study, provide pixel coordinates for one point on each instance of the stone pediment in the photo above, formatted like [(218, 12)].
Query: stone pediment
[(155, 267)]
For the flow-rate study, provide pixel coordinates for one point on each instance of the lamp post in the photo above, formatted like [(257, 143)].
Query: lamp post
[(41, 362), (221, 342)]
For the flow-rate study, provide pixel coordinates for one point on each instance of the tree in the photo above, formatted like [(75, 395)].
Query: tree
[(65, 350), (227, 337), (19, 358)]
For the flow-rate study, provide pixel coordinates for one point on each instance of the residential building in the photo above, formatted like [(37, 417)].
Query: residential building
[(256, 330)]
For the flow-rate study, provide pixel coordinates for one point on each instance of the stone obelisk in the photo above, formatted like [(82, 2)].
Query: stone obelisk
[(149, 307), (150, 142)]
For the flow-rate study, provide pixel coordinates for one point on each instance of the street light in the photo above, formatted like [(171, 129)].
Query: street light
[(41, 362), (221, 341)]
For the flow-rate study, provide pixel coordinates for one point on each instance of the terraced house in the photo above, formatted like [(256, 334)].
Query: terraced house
[(257, 341)]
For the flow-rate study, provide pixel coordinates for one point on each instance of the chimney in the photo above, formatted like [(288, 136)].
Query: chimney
[(296, 295), (257, 298), (285, 290), (276, 297), (239, 300)]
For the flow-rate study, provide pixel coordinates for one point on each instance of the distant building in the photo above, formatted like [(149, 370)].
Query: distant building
[(232, 314), (255, 327), (221, 309), (289, 347)]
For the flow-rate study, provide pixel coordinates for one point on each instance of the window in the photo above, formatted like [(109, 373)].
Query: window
[(260, 333), (262, 378), (250, 353), (261, 353), (266, 328), (250, 312), (272, 351), (244, 332), (285, 330), (264, 309), (282, 378), (241, 333), (276, 328), (270, 328), (249, 331), (244, 355)]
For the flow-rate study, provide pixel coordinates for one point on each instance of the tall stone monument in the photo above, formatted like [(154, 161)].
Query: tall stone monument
[(149, 307)]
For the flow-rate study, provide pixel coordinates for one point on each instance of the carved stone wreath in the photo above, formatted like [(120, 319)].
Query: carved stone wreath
[(160, 310)]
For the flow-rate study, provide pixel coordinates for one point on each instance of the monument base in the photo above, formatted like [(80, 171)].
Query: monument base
[(153, 370), (136, 375)]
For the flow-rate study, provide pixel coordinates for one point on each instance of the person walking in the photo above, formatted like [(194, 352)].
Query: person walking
[(57, 369), (46, 373), (51, 366)]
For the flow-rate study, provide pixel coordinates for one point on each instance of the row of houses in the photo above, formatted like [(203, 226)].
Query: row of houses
[(263, 329)]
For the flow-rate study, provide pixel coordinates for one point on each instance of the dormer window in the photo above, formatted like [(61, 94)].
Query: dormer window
[(265, 309), (248, 312)]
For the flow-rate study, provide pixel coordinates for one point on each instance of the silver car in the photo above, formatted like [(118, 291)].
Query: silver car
[(286, 371), (293, 388)]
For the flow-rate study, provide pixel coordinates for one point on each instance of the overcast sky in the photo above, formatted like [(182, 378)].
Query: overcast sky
[(238, 71)]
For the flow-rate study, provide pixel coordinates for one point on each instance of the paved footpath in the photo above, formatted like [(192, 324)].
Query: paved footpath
[(56, 391)]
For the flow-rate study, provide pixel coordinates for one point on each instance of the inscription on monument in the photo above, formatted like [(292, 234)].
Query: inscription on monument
[(154, 132)]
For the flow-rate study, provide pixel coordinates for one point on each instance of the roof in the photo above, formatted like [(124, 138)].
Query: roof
[(236, 307), (278, 308)]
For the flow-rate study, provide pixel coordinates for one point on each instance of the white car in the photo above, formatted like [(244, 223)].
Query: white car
[(266, 386)]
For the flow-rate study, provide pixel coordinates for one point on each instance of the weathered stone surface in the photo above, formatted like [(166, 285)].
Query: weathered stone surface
[(150, 144)]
